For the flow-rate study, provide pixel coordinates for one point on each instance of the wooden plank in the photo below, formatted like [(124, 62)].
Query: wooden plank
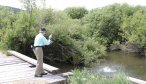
[(28, 81), (32, 61), (19, 76), (9, 63), (47, 79), (28, 77), (9, 70), (16, 66), (137, 81), (8, 57), (42, 80), (9, 60), (16, 72)]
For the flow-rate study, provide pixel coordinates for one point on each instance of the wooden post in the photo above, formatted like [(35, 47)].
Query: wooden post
[(137, 81)]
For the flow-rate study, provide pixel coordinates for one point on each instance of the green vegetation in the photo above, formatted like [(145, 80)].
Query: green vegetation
[(76, 12), (79, 36), (70, 43), (86, 77)]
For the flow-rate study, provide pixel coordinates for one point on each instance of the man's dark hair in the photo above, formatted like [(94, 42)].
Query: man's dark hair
[(42, 29)]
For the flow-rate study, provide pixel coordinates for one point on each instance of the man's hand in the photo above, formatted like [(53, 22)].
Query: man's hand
[(50, 37), (50, 42)]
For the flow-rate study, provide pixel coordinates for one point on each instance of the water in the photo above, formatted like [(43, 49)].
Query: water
[(129, 63)]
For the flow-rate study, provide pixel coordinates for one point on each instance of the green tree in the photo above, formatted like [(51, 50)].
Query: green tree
[(21, 36), (104, 24), (76, 12), (6, 18), (135, 31)]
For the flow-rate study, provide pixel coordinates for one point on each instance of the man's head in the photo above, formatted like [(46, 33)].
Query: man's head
[(43, 31)]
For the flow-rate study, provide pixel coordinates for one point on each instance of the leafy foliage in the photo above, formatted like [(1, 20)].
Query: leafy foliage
[(135, 31), (76, 12), (104, 25), (71, 43)]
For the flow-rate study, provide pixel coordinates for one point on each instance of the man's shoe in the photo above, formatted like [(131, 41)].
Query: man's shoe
[(44, 73), (37, 75)]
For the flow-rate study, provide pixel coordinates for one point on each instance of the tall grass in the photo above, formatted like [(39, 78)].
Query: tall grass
[(87, 77)]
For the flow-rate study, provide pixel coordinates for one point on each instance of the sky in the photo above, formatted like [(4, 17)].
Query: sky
[(62, 4)]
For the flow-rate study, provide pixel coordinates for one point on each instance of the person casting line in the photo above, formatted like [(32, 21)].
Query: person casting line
[(39, 42)]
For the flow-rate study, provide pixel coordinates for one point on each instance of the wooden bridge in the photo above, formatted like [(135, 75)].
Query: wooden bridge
[(16, 70)]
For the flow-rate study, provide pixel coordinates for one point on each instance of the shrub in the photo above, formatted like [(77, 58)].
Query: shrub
[(71, 44), (104, 24), (76, 12)]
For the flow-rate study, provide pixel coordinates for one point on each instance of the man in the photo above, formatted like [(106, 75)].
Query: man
[(39, 42)]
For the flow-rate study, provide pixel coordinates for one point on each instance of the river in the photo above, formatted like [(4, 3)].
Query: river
[(129, 63), (118, 61)]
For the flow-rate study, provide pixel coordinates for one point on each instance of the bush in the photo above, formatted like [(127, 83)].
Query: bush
[(135, 31), (76, 12), (20, 36), (71, 44), (104, 24)]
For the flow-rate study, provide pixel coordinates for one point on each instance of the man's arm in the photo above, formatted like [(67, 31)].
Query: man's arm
[(46, 42)]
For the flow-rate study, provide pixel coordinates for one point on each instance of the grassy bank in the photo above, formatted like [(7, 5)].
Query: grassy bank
[(86, 77)]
